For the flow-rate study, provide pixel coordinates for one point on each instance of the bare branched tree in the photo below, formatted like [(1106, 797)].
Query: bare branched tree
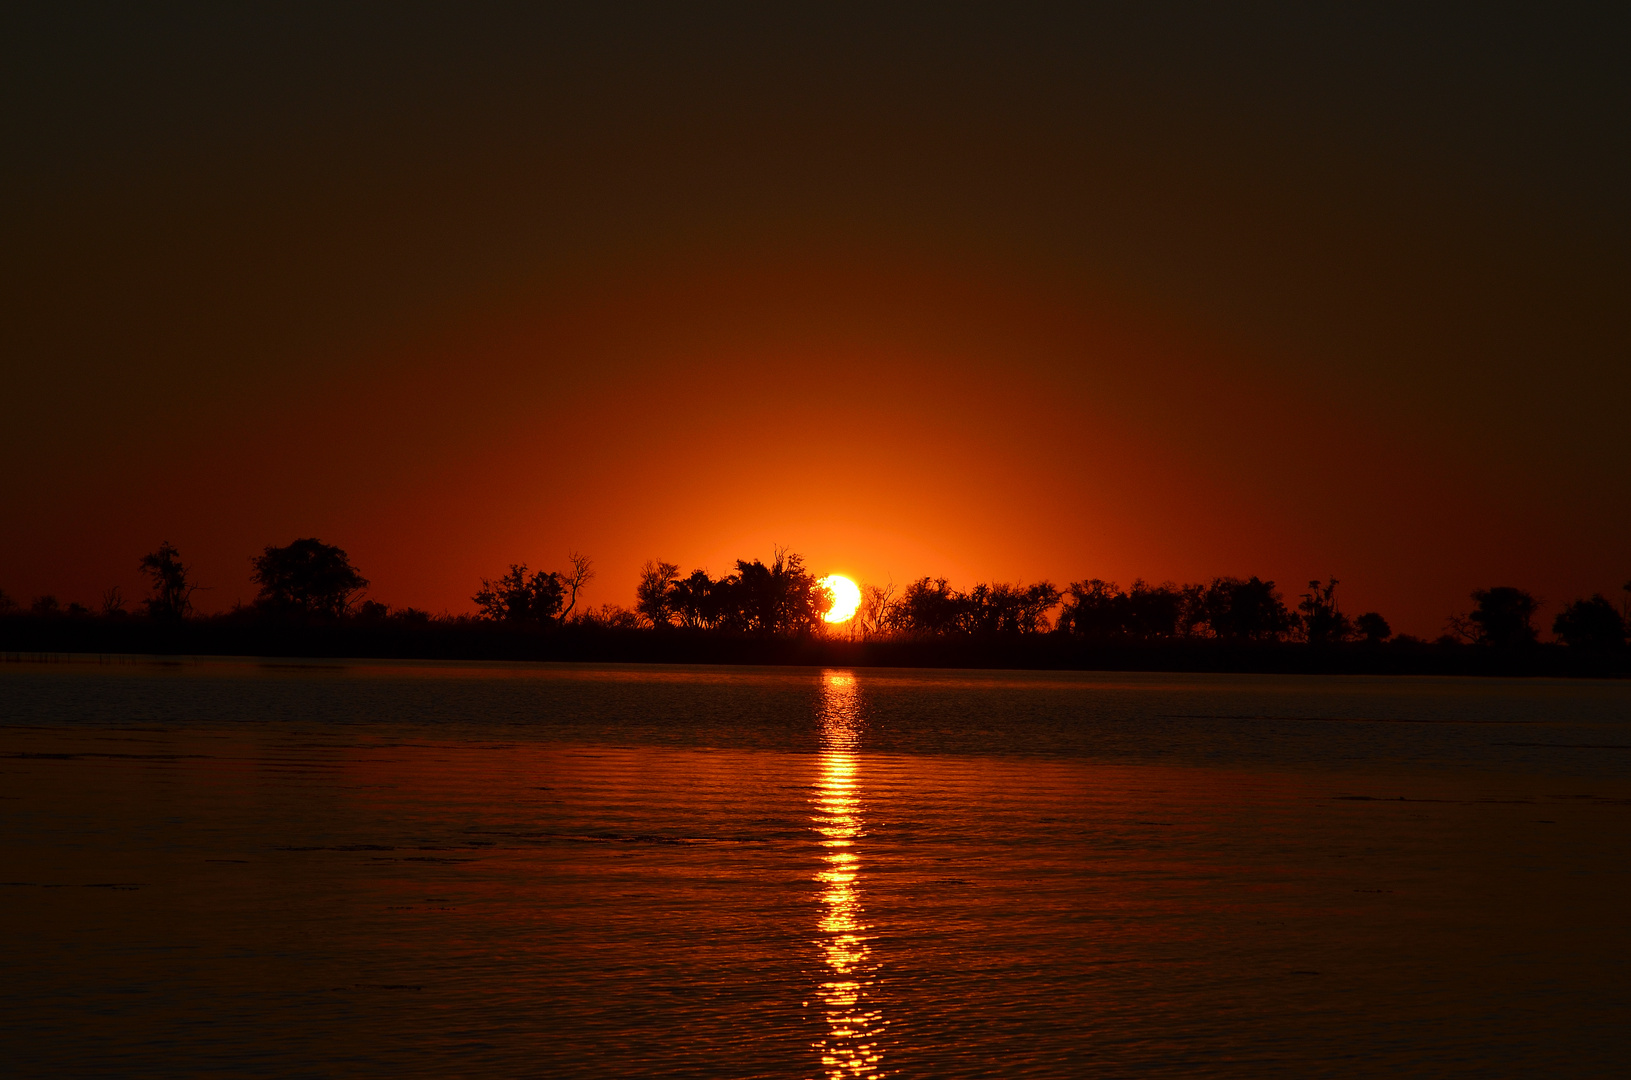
[(581, 574), (877, 608)]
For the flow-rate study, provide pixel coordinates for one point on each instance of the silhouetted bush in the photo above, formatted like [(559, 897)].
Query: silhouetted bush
[(1503, 617), (1373, 628), (1593, 625), (519, 599), (306, 579)]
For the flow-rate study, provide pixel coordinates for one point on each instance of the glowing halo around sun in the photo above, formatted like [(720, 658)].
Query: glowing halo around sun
[(846, 597)]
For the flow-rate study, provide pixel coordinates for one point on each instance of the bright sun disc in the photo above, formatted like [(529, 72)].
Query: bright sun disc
[(846, 597)]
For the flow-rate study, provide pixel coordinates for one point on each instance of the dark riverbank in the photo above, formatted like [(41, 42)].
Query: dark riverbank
[(579, 643)]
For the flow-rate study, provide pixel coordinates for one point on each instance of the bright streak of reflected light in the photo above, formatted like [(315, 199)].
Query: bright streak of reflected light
[(852, 1044)]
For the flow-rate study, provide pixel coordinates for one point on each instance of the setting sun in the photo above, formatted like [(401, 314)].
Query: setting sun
[(846, 597)]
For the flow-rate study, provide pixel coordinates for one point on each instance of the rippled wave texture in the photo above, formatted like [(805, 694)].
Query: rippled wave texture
[(283, 870)]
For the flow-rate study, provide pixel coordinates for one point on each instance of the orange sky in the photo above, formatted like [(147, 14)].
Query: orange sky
[(987, 306)]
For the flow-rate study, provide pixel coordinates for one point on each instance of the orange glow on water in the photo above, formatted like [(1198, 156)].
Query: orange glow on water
[(851, 1045)]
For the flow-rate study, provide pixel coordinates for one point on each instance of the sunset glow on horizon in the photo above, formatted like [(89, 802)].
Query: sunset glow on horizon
[(807, 540), (1104, 309)]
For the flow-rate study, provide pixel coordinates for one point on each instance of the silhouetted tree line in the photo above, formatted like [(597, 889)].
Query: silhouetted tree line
[(776, 599), (308, 583)]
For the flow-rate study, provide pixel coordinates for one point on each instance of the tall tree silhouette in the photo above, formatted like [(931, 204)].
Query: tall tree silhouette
[(1247, 610), (1322, 622), (877, 609), (1503, 617), (781, 598), (307, 579), (1591, 625), (654, 595), (692, 599), (1095, 609), (930, 607), (170, 599), (573, 580)]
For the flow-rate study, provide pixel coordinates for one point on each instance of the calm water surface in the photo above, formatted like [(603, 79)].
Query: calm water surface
[(332, 870)]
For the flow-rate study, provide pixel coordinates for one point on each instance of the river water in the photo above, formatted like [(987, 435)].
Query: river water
[(374, 869)]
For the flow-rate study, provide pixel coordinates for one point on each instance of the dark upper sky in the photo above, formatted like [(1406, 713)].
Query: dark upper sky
[(986, 293)]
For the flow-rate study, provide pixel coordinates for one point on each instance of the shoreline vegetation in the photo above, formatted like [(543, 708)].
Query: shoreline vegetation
[(312, 604)]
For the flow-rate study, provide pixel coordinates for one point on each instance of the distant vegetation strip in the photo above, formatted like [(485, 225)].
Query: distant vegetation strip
[(312, 602)]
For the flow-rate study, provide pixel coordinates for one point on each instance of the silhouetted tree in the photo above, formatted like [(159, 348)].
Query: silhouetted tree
[(372, 611), (1502, 617), (1322, 622), (1373, 627), (779, 599), (1154, 612), (876, 612), (1095, 609), (1099, 610), (1001, 608), (306, 578), (930, 608), (692, 599), (113, 603), (1591, 625), (1192, 611), (518, 598), (6, 603), (1247, 610), (575, 579), (172, 591), (45, 607), (653, 596)]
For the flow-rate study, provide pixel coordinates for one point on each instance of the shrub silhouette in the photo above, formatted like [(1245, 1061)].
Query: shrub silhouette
[(1373, 627), (1502, 617), (518, 598), (306, 579), (1592, 625)]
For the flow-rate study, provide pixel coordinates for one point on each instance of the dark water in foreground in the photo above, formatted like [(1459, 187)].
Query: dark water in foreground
[(284, 870)]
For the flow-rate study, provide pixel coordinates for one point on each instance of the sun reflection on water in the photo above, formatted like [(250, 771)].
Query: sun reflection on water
[(852, 1044)]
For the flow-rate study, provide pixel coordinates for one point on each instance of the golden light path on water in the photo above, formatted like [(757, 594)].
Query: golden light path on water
[(852, 1044)]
